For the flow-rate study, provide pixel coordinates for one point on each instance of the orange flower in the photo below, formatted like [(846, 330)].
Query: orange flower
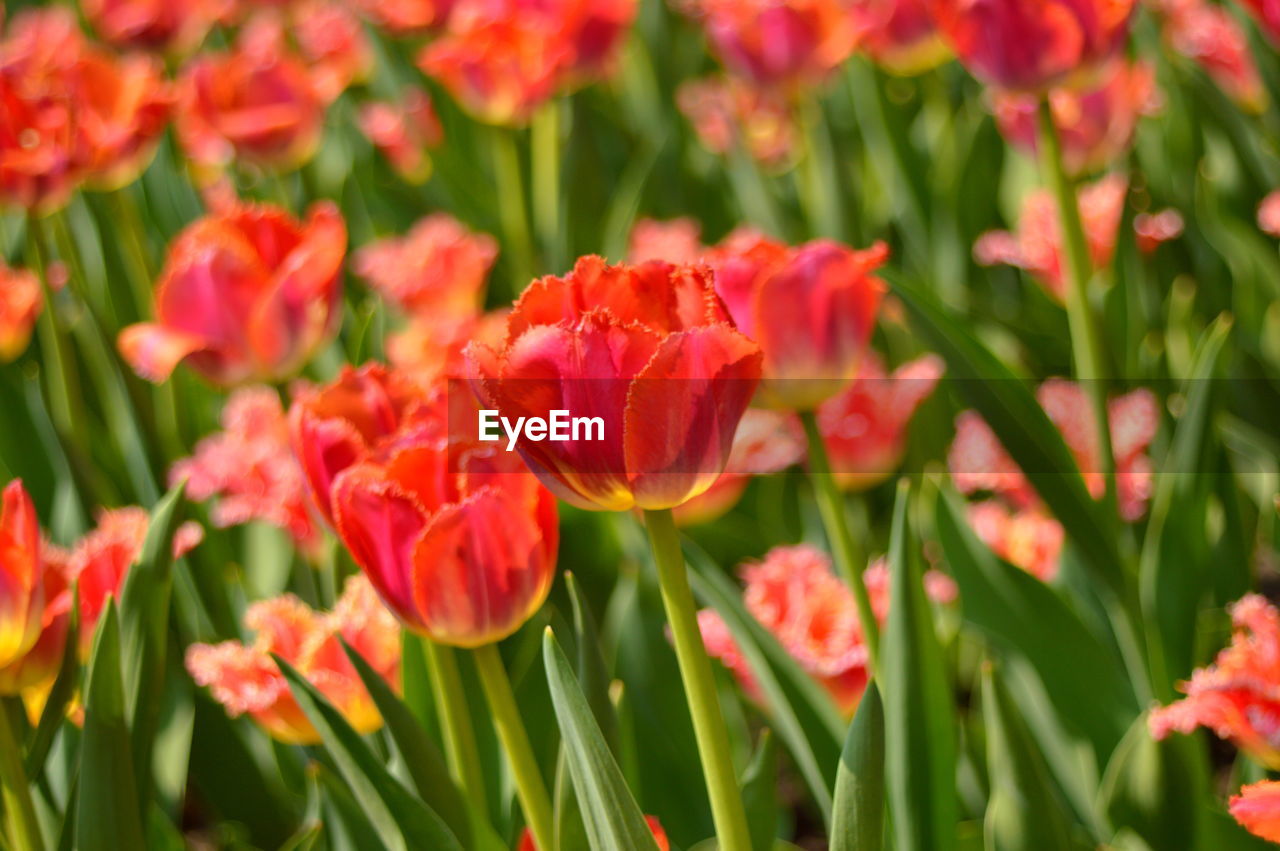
[(432, 348), (726, 112), (458, 539), (1210, 36), (1026, 537), (251, 469), (32, 675), (21, 301), (248, 293), (1257, 809), (245, 679), (812, 310), (173, 25), (406, 17), (659, 835), (22, 591), (1030, 45), (122, 107), (404, 132), (1096, 125), (899, 35), (1238, 696), (650, 351), (439, 267), (258, 102), (864, 428)]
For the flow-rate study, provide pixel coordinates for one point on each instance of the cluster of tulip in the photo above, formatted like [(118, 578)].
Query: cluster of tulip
[(969, 601)]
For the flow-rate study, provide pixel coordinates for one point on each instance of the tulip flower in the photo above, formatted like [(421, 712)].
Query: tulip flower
[(627, 344), (1269, 214), (1031, 45), (864, 428), (439, 267), (726, 113), (1211, 37), (899, 35), (1025, 537), (675, 241), (1096, 125), (250, 468), (812, 310), (258, 102), (431, 348), (21, 301), (31, 676), (406, 17), (1154, 229), (1267, 14), (171, 25), (333, 42), (659, 836), (246, 680), (21, 581), (1235, 697), (403, 132), (1257, 809), (248, 293), (122, 107)]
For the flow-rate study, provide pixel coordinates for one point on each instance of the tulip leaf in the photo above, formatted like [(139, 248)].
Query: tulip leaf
[(422, 757), (920, 736), (1154, 788), (609, 811), (400, 820), (107, 813), (800, 711), (1023, 811), (1021, 425), (593, 675), (759, 784), (858, 818)]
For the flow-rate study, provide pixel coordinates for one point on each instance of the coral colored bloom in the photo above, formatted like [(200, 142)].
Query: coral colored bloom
[(1269, 214), (171, 25), (32, 674), (403, 132), (1267, 14), (1096, 125), (648, 349), (258, 102), (674, 241), (431, 348), (333, 42), (1026, 537), (250, 468), (979, 463), (22, 597), (899, 35), (780, 44), (659, 836), (457, 537), (439, 267), (247, 294), (406, 17), (1211, 37), (1030, 45), (21, 301), (812, 310), (1257, 809), (1037, 246), (1154, 229), (864, 428), (245, 678), (726, 113), (122, 107), (1238, 696)]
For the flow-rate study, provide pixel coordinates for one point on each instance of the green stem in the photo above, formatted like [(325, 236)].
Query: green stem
[(1086, 340), (544, 141), (530, 787), (511, 206), (849, 561), (20, 813), (455, 726), (820, 180), (700, 689)]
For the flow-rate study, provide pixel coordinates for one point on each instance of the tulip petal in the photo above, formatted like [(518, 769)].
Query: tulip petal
[(154, 351), (21, 590)]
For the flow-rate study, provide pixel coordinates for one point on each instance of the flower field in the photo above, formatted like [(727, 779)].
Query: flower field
[(471, 425)]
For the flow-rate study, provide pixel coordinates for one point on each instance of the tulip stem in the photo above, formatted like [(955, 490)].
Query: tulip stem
[(530, 787), (509, 193), (819, 180), (20, 813), (455, 726), (699, 683), (544, 140), (849, 561), (1086, 341)]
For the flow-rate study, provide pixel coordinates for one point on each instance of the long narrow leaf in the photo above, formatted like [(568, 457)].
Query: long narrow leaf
[(858, 822)]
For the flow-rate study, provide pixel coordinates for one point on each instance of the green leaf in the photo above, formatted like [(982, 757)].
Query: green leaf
[(1155, 789), (1023, 428), (593, 675), (760, 791), (108, 815), (920, 735), (423, 759), (858, 821), (609, 812), (400, 820), (1024, 811)]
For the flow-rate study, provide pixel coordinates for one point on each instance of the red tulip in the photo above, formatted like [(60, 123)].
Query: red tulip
[(650, 351), (245, 678), (406, 17), (1267, 14), (403, 132), (1257, 809), (1236, 696), (1210, 36), (258, 102), (727, 113), (247, 294), (458, 539), (32, 675), (21, 301), (333, 42), (899, 35), (22, 589), (1030, 45), (812, 310), (122, 107), (438, 268), (173, 25)]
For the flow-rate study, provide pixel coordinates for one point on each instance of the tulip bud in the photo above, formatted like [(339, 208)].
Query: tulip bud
[(21, 582)]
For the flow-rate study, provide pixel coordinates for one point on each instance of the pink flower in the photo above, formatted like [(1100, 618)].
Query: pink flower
[(404, 132), (1208, 35), (1269, 214), (1025, 537), (726, 113), (1257, 809), (439, 267), (899, 35), (673, 241), (1155, 229)]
